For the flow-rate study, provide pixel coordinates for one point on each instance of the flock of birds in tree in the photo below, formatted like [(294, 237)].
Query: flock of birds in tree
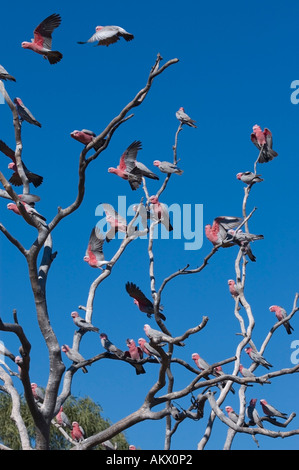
[(224, 231)]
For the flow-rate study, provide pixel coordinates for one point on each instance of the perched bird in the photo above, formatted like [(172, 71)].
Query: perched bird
[(110, 347), (217, 233), (108, 445), (243, 239), (234, 289), (62, 419), (116, 221), (269, 410), (257, 358), (37, 393), (203, 365), (42, 42), (29, 209), (158, 336), (280, 314), (252, 413), (77, 432), (135, 353), (142, 302), (126, 165), (148, 349), (24, 113), (29, 199), (83, 324), (132, 447), (232, 414), (184, 118), (106, 35), (245, 372), (167, 167), (74, 356), (4, 75), (94, 255), (160, 212), (249, 178), (86, 136), (263, 141)]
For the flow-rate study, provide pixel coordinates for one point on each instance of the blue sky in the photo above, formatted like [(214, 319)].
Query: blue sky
[(236, 65)]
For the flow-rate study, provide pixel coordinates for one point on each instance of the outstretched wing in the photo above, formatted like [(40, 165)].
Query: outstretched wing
[(43, 32), (128, 158), (137, 294)]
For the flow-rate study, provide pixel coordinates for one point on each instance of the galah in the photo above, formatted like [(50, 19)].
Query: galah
[(42, 42), (86, 136), (232, 414), (243, 239), (132, 447), (83, 324), (158, 336), (110, 347), (203, 365), (280, 314), (142, 302), (106, 35), (148, 349), (24, 113), (62, 419), (94, 255), (4, 75), (167, 167), (74, 356), (29, 199), (108, 445), (125, 166), (217, 233), (269, 410), (218, 372), (252, 413), (184, 118), (257, 358), (29, 209), (245, 372), (249, 178), (15, 179), (37, 393), (263, 140), (116, 221), (160, 212), (135, 353), (19, 361), (234, 289), (77, 432)]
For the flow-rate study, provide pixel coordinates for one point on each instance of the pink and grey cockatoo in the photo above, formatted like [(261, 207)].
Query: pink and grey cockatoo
[(94, 255), (184, 118), (77, 432), (42, 42), (245, 372), (257, 358), (29, 209), (15, 179), (74, 356), (132, 447), (243, 239), (83, 324), (4, 75), (280, 314), (110, 347), (234, 289), (25, 114), (135, 353), (148, 349), (249, 178), (62, 419), (116, 221), (86, 136), (252, 413), (232, 414), (37, 393), (203, 365), (167, 167), (217, 233), (160, 212), (142, 302), (125, 166), (263, 141), (269, 410), (106, 35), (158, 336)]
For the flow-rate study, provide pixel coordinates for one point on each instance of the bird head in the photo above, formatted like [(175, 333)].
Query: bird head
[(231, 282), (195, 356), (228, 409), (74, 314), (153, 199), (156, 163), (273, 308), (239, 175)]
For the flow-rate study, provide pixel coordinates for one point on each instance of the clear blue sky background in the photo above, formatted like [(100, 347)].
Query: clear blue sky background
[(236, 64)]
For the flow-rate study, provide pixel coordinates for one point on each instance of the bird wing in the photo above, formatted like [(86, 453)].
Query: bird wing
[(137, 294), (43, 32), (7, 150), (95, 244), (128, 158), (109, 210), (228, 222), (254, 140), (87, 131), (105, 37)]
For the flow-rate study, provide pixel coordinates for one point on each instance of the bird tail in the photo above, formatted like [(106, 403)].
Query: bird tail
[(36, 180), (10, 77), (54, 57), (128, 36), (152, 176), (15, 180)]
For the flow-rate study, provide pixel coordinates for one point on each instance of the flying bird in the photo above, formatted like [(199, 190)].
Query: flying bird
[(94, 255), (83, 324), (15, 179), (77, 432), (106, 35), (167, 167), (110, 347), (234, 289), (257, 358), (86, 136), (280, 314), (263, 141), (37, 393), (42, 42), (116, 221), (62, 419), (158, 336), (184, 118), (249, 178), (142, 302), (252, 413), (25, 114), (135, 353), (217, 233), (160, 212), (74, 356), (4, 75), (269, 410)]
